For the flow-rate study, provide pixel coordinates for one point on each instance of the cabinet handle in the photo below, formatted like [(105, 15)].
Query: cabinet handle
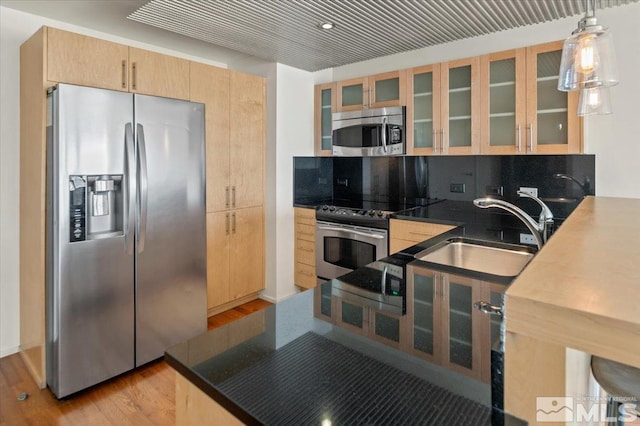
[(134, 77), (369, 97), (519, 137), (530, 128), (305, 249), (436, 283), (233, 195), (233, 222), (226, 196), (444, 286), (226, 226), (435, 141), (442, 141), (124, 74)]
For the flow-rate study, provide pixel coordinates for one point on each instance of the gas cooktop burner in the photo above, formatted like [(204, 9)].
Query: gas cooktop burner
[(344, 211)]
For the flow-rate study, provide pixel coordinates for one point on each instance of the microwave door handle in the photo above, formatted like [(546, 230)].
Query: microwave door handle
[(351, 231), (384, 134)]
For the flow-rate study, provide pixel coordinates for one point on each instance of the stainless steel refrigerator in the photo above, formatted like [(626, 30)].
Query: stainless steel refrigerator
[(126, 239)]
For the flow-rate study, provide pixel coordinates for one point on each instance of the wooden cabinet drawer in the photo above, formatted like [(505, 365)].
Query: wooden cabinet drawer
[(415, 231), (305, 232), (305, 275), (305, 216), (396, 244), (305, 252)]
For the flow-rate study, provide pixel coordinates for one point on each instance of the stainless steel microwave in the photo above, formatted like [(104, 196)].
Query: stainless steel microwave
[(369, 132)]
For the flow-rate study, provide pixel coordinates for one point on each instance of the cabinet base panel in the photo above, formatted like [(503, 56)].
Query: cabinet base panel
[(230, 305), (34, 361)]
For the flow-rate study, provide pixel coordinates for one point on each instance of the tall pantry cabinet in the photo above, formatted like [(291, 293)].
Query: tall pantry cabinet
[(235, 123), (235, 129)]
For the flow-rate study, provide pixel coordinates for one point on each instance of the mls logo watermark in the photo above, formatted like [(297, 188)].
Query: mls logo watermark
[(583, 409), (554, 409)]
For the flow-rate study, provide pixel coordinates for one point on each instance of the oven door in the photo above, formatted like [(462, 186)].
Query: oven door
[(341, 249)]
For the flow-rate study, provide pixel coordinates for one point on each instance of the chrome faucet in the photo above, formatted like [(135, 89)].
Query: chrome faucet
[(584, 186), (541, 230)]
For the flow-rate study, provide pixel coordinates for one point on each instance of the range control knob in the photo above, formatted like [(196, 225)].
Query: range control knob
[(362, 212), (379, 213), (371, 212), (325, 207), (332, 208)]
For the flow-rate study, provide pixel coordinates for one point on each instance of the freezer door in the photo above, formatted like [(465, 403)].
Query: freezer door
[(90, 288), (171, 245)]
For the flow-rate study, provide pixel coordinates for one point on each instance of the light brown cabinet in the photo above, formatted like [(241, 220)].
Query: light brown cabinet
[(444, 328), (305, 248), (235, 132), (86, 61), (443, 115), (324, 106), (376, 91), (235, 257), (523, 112), (406, 233)]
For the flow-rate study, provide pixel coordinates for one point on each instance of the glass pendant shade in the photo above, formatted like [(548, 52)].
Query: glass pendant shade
[(594, 100), (588, 58)]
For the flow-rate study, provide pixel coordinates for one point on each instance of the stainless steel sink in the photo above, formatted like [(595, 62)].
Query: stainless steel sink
[(505, 260)]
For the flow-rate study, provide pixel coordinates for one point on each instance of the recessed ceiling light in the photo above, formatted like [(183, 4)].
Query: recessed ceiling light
[(326, 25)]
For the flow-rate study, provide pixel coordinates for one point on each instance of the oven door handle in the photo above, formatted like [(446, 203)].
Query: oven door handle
[(351, 231)]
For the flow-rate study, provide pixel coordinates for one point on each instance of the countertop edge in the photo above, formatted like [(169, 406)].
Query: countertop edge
[(588, 310), (210, 391)]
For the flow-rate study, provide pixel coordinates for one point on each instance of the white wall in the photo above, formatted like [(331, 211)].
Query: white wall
[(613, 139), (15, 28)]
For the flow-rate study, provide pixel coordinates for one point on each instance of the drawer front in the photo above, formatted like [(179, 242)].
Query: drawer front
[(396, 244), (415, 231), (305, 216), (305, 252), (305, 232), (305, 275)]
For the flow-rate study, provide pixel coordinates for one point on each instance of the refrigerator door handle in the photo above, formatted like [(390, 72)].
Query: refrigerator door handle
[(131, 188), (142, 158)]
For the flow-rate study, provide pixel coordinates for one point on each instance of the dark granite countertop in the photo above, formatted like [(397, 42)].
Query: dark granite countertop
[(486, 224), (340, 354)]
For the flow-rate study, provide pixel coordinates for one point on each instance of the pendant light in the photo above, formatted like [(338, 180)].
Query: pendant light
[(595, 100), (588, 56)]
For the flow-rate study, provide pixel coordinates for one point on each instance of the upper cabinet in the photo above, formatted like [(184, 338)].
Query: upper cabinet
[(376, 91), (156, 74), (552, 124), (324, 106), (523, 112), (443, 108), (500, 103), (87, 61)]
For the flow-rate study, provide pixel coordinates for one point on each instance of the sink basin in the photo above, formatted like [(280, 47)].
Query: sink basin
[(488, 257)]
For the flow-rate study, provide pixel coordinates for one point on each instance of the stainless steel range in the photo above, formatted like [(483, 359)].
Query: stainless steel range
[(348, 238)]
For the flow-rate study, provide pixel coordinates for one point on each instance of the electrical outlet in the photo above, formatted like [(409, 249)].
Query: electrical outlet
[(527, 239), (494, 190), (456, 187), (530, 191)]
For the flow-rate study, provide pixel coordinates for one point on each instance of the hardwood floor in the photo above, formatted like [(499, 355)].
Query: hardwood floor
[(145, 396)]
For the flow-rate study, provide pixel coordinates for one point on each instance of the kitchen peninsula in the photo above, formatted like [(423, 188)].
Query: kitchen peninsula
[(578, 292)]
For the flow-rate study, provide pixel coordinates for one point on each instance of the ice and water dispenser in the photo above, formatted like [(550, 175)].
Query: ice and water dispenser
[(96, 207)]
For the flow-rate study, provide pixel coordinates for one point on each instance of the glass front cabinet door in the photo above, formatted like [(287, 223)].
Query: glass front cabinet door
[(423, 111), (503, 89), (552, 124), (460, 103), (324, 106), (376, 91)]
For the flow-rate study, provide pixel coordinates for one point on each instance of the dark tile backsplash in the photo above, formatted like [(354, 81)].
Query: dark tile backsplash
[(414, 179)]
